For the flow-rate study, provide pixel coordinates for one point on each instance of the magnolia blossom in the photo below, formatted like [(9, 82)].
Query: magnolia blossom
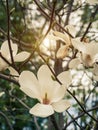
[(88, 51), (5, 52), (46, 89), (66, 38)]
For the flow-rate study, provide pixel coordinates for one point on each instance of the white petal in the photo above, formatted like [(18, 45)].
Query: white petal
[(13, 72), (21, 56), (71, 30), (61, 106), (62, 52), (3, 64), (45, 76), (73, 64), (52, 37), (54, 93), (57, 93), (77, 44), (42, 110), (5, 49), (95, 69), (89, 49), (95, 77), (85, 47), (29, 84), (65, 78), (64, 36)]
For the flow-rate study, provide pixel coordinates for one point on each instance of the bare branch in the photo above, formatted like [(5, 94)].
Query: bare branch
[(8, 32)]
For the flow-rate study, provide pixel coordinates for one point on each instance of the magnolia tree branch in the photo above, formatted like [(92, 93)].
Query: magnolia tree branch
[(82, 106), (74, 120), (51, 18), (8, 31), (69, 12), (79, 116), (7, 120), (8, 62), (8, 78), (15, 39), (48, 17), (90, 23)]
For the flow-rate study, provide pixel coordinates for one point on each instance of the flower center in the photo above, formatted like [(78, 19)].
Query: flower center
[(88, 58), (86, 40), (45, 99)]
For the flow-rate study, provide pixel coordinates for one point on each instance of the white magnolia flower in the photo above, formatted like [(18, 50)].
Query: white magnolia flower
[(92, 2), (65, 38), (64, 50), (48, 91), (89, 51), (5, 52)]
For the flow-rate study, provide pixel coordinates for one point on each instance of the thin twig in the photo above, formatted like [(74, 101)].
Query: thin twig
[(7, 62), (69, 12), (90, 23), (74, 120), (8, 31), (5, 77), (15, 39), (7, 120), (77, 117), (82, 106), (48, 17)]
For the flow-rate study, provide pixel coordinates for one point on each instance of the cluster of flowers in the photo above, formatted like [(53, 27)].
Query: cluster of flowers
[(85, 52), (48, 89), (51, 95)]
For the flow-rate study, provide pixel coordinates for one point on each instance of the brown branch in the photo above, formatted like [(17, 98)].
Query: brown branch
[(74, 120), (90, 23), (8, 32), (10, 64), (69, 12), (15, 39), (77, 117), (10, 79), (82, 106), (51, 18), (48, 17)]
